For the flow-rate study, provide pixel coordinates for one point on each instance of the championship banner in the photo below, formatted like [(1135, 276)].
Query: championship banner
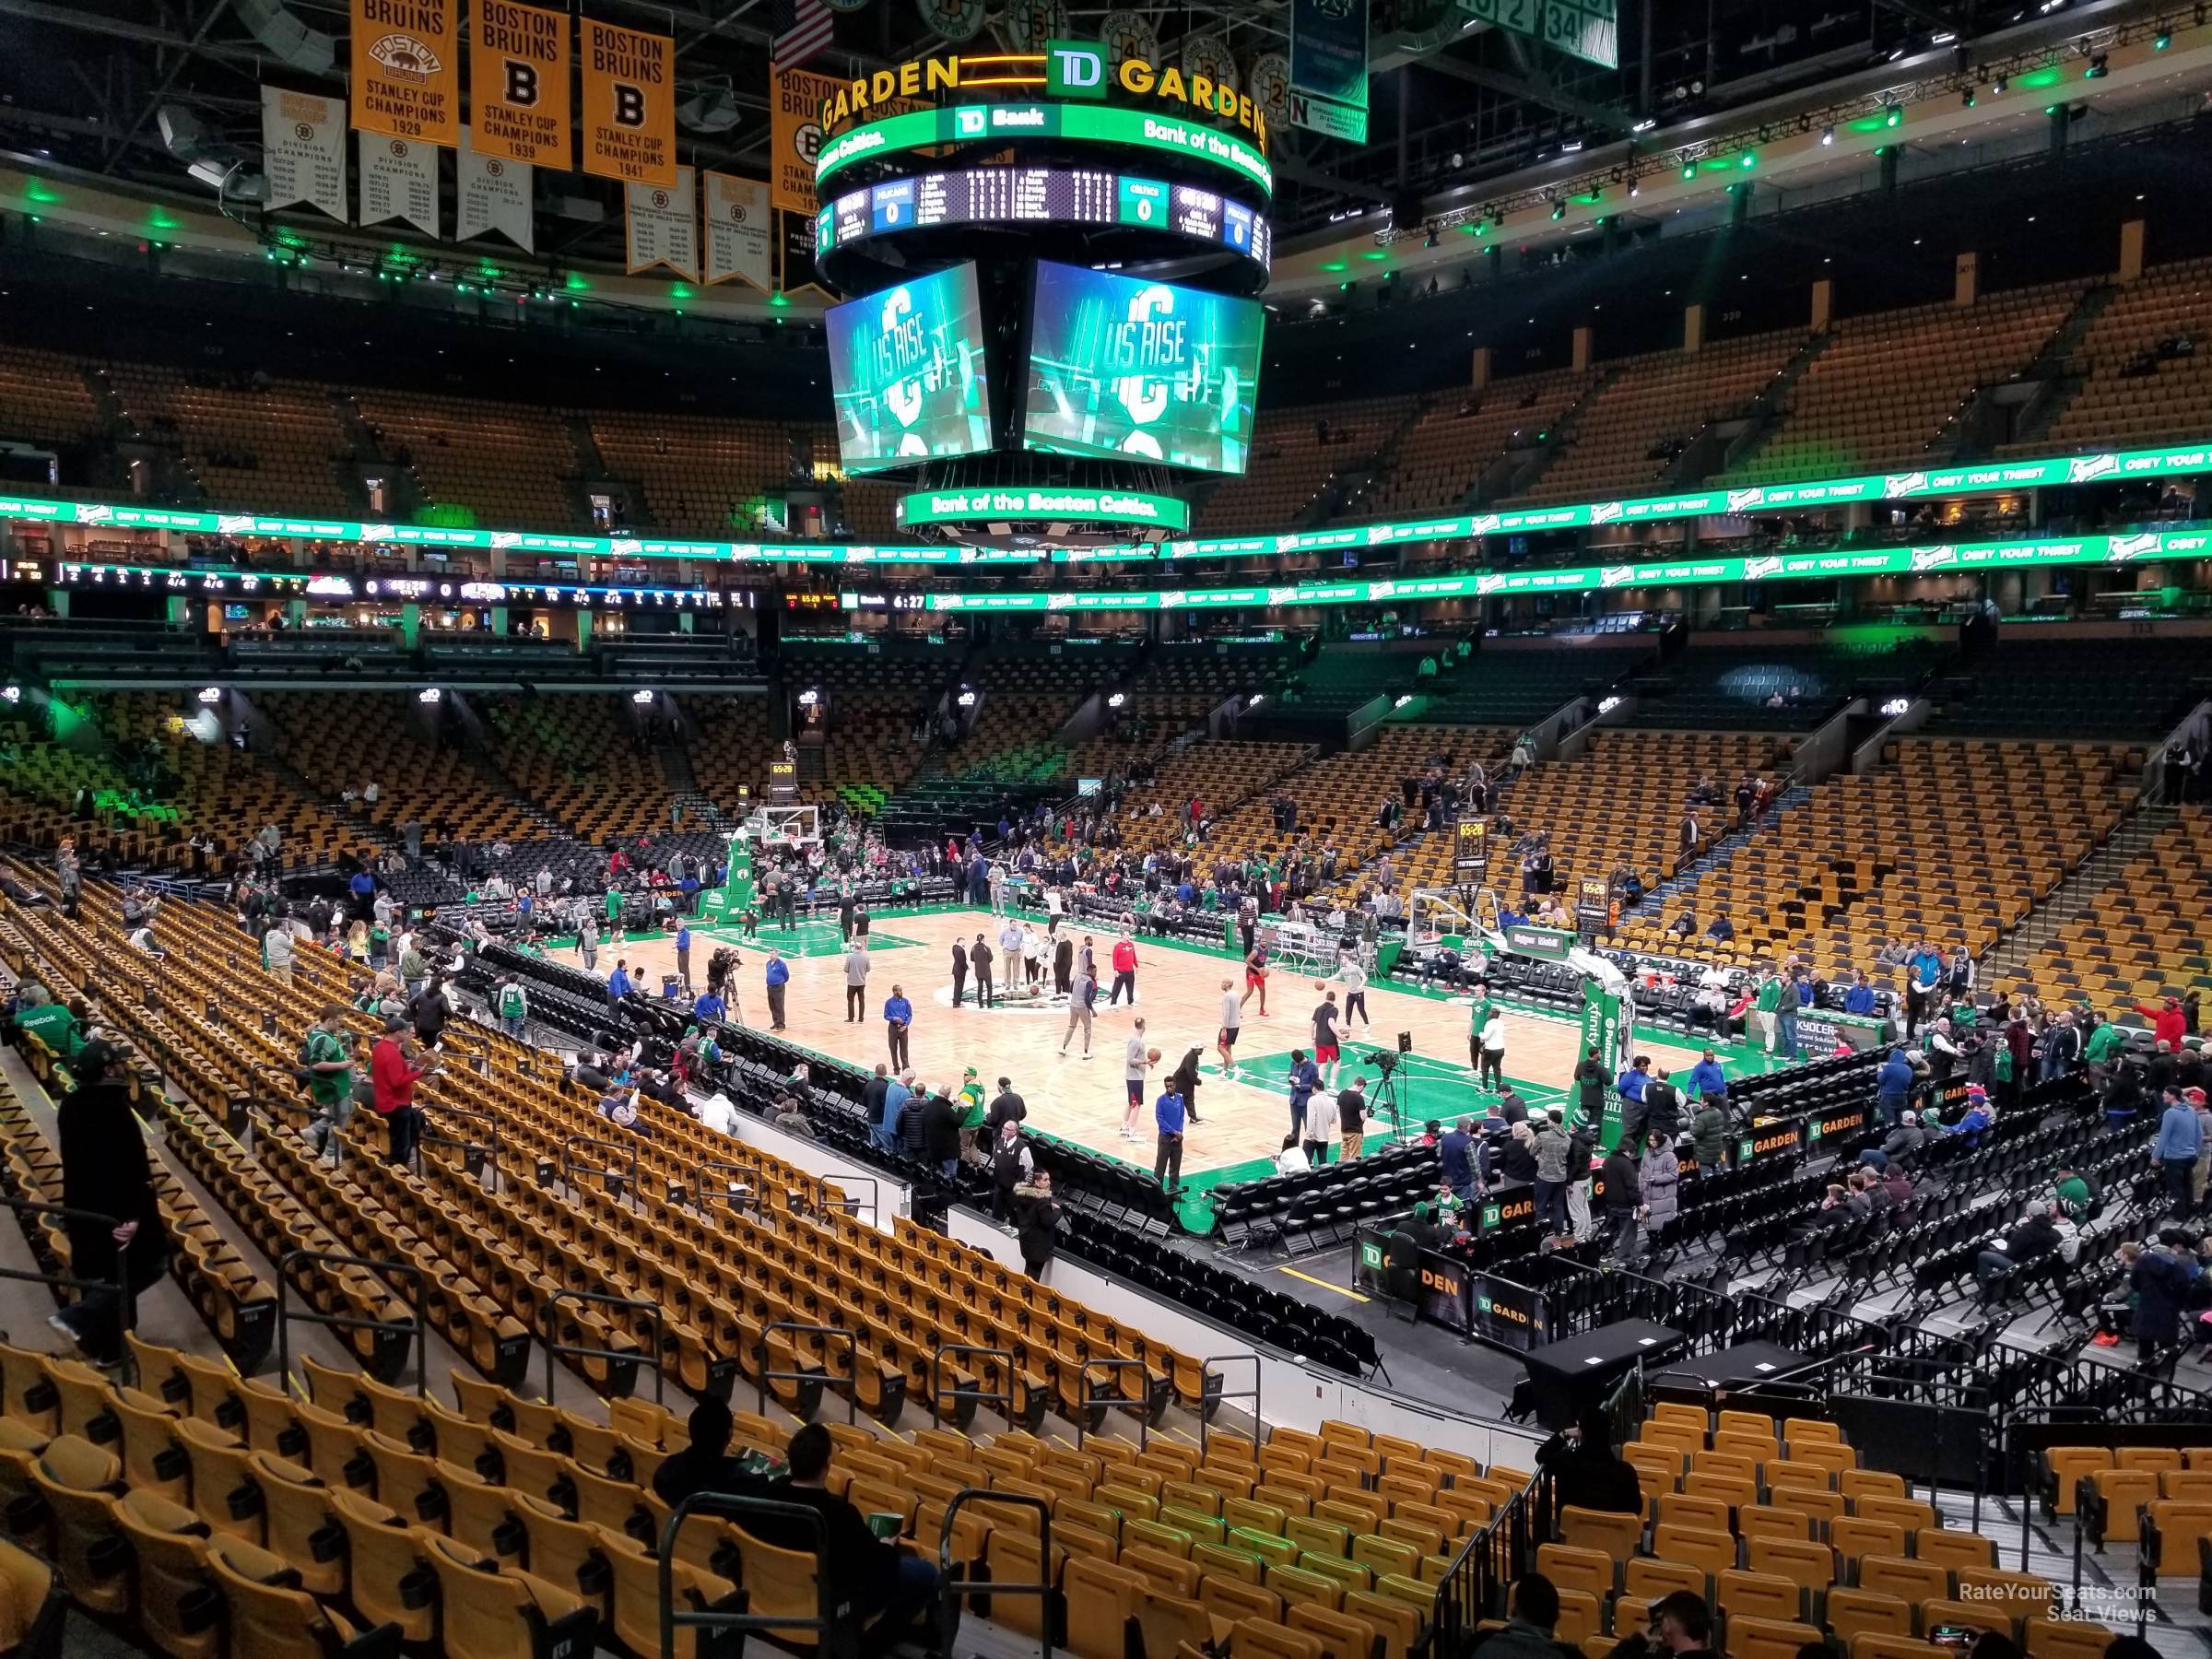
[(661, 226), (493, 194), (303, 150), (518, 84), (795, 254), (794, 111), (407, 70), (629, 104), (399, 181), (1328, 67), (740, 232)]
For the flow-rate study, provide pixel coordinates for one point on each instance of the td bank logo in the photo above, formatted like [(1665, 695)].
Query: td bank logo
[(1743, 1150), (1074, 69)]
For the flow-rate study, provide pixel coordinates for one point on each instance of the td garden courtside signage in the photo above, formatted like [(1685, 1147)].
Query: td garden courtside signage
[(1038, 505)]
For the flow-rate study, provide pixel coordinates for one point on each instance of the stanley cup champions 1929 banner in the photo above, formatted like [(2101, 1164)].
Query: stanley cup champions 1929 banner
[(407, 70)]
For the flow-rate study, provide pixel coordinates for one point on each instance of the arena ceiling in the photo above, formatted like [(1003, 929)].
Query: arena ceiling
[(1455, 103)]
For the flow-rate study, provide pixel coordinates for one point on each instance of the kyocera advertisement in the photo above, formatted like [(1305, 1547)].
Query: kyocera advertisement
[(906, 372), (1121, 367)]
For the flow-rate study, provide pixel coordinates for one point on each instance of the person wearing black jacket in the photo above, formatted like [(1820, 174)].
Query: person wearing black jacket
[(105, 1170), (1185, 1082), (941, 1134), (1624, 1198), (1037, 1225), (867, 1576), (1063, 964), (430, 1011), (1587, 1472), (959, 972), (872, 1097)]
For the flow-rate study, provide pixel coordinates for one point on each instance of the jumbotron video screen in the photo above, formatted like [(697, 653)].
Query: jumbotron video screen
[(1121, 367), (906, 373)]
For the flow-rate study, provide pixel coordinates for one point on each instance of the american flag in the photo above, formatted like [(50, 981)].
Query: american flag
[(803, 29)]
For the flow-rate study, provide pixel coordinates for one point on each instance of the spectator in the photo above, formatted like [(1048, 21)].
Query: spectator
[(1681, 1625), (2181, 1138), (941, 1132), (1038, 1226), (393, 1071), (1167, 1117), (1549, 1142), (105, 1171), (1624, 1197), (1659, 1176), (1011, 1166), (326, 1057), (513, 1004), (898, 1020), (1351, 1118), (1893, 1088), (1528, 1633), (777, 973), (1708, 1137), (1587, 1472), (2157, 1286), (1455, 1158)]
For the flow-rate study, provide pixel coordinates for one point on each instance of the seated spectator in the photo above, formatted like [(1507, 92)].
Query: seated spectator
[(1528, 1633)]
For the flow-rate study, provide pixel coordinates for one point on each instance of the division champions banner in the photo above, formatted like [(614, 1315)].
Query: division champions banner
[(740, 232), (661, 226), (303, 150)]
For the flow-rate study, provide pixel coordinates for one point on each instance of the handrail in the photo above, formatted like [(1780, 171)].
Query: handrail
[(956, 1588), (126, 1308), (569, 1166), (734, 1506), (851, 1363), (700, 1193), (490, 1146), (619, 1355), (1004, 1399), (1086, 1399), (331, 1258), (1252, 1393)]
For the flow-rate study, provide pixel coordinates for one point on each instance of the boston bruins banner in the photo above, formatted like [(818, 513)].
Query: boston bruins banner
[(795, 136), (303, 150), (407, 70), (518, 84), (629, 104), (662, 226)]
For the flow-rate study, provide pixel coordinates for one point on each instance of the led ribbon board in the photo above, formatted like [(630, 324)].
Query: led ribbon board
[(1988, 478), (1035, 505), (1042, 195), (1174, 135)]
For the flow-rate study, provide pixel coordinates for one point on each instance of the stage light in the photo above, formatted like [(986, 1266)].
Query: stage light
[(1690, 169), (2160, 41), (1892, 116), (287, 38), (1559, 211), (1966, 98), (11, 694), (1998, 85), (1749, 158), (2097, 66), (1827, 135), (1635, 190)]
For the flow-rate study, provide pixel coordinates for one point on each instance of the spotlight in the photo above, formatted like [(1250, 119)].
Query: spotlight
[(1746, 160), (1827, 135), (1690, 169), (1966, 98), (2163, 39), (2097, 66), (1892, 116), (1429, 241), (1635, 190), (1559, 210), (1998, 85)]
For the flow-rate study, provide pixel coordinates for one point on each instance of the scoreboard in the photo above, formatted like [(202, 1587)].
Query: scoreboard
[(1043, 195)]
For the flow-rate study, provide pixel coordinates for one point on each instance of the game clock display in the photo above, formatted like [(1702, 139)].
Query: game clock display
[(1131, 369), (906, 373)]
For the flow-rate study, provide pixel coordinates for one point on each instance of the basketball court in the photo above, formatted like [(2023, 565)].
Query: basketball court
[(1243, 1119)]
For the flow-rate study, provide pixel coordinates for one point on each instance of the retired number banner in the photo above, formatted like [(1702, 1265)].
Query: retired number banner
[(407, 70), (629, 104), (518, 84)]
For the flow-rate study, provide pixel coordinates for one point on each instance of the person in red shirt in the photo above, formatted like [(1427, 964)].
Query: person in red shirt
[(392, 1074), (1124, 970), (2168, 1024)]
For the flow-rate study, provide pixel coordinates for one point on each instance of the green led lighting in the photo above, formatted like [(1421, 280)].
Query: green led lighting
[(1892, 116), (779, 299), (678, 290), (576, 284), (2040, 78), (1690, 169), (1029, 505), (39, 191), (1748, 159), (1376, 253), (1334, 265)]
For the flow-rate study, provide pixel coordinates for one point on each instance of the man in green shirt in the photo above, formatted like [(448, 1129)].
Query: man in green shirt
[(1485, 1006), (1767, 1005), (52, 1024), (326, 1057), (614, 913), (514, 1006), (2105, 1043)]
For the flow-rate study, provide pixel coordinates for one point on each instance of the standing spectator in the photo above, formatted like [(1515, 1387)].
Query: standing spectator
[(1455, 1160), (513, 1004), (1591, 1080), (683, 956), (412, 973), (1305, 1078), (395, 1066), (1707, 1081), (2169, 1023), (587, 938), (1624, 1198), (2159, 1285), (618, 983), (777, 974), (1011, 1166), (105, 1171), (1006, 1107), (892, 1113), (1549, 1142), (1587, 1472), (1708, 1137), (277, 951), (941, 1134), (1124, 970), (2181, 1138), (979, 959), (959, 972), (872, 1097), (1082, 995), (1168, 1116), (1659, 1176), (430, 1010), (326, 1057), (1766, 1007), (1037, 1229), (1893, 1088), (899, 1020), (857, 983), (1351, 1118)]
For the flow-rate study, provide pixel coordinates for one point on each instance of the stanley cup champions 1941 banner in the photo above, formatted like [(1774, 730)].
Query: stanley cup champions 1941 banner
[(407, 70), (629, 104)]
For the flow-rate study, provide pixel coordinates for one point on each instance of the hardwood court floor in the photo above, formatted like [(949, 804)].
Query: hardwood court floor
[(1180, 996)]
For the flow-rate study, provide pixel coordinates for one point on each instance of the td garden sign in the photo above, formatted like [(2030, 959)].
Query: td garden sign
[(1064, 69)]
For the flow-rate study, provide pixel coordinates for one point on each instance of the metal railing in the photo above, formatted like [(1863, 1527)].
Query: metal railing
[(852, 1343), (489, 1146), (825, 1622), (1101, 1403), (569, 1167), (1210, 1396), (956, 1588), (722, 1189), (1475, 1586), (126, 1301), (559, 1349), (1003, 1398), (379, 1265)]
